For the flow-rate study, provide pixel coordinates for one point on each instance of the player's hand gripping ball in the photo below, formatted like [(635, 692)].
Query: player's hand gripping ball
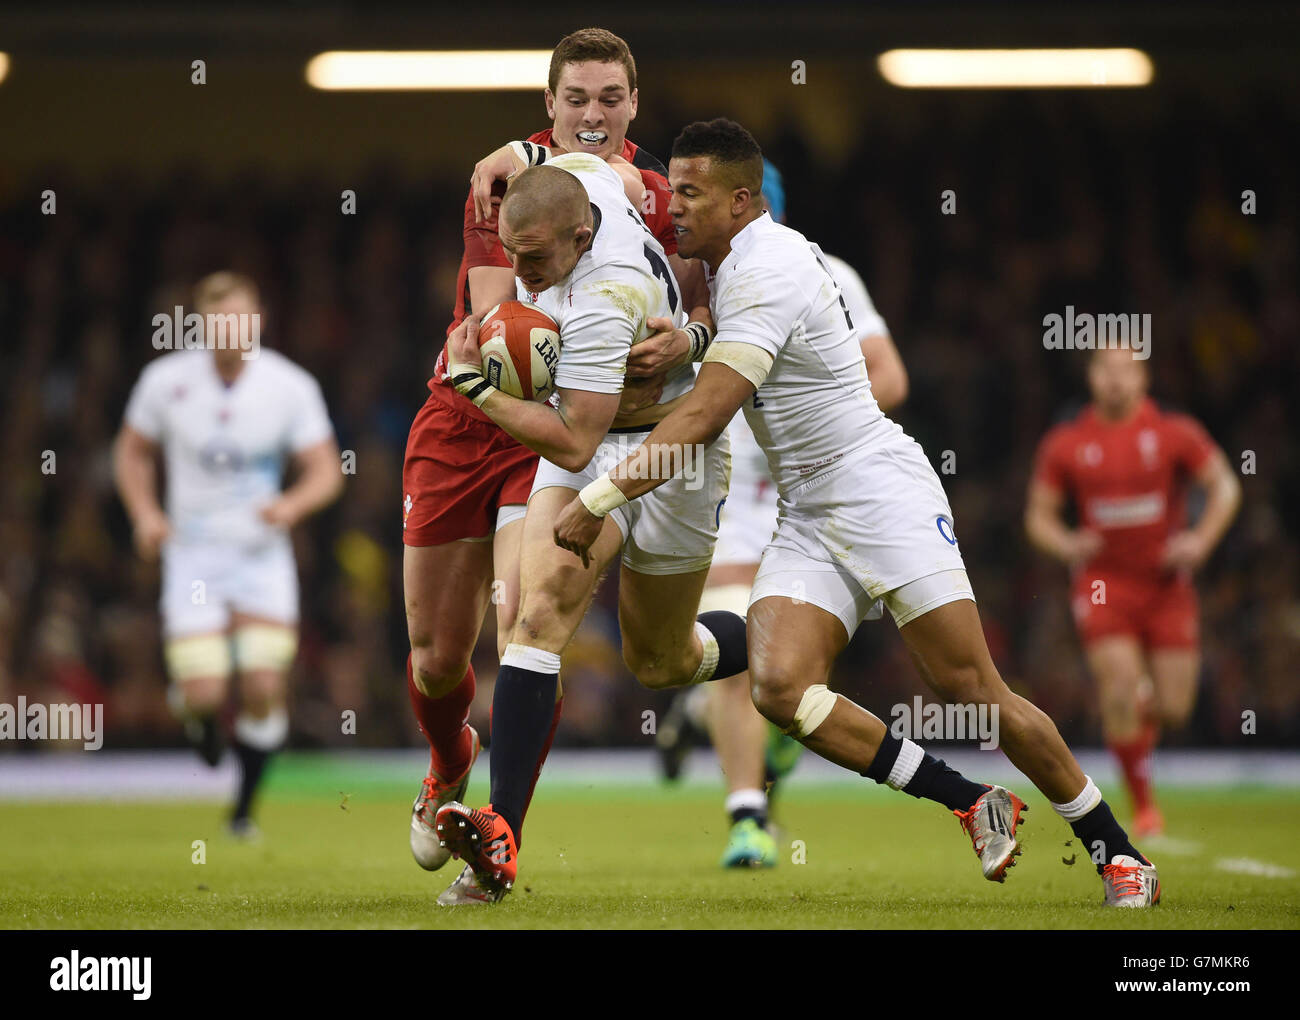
[(520, 347)]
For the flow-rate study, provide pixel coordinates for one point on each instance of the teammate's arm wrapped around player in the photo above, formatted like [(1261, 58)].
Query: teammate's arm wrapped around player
[(671, 346), (719, 392)]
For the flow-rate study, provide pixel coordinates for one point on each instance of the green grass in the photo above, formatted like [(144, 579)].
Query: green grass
[(616, 857)]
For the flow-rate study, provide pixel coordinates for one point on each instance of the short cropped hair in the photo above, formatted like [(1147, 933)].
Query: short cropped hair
[(218, 286), (545, 194), (732, 149), (591, 44)]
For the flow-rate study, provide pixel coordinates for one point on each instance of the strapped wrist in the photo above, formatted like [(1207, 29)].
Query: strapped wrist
[(530, 153), (601, 496), (701, 336), (470, 383)]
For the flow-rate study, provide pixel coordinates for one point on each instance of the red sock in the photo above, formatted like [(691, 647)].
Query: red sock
[(541, 760), (443, 723), (1135, 760)]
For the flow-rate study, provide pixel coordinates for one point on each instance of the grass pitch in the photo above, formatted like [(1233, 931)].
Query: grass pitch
[(334, 855)]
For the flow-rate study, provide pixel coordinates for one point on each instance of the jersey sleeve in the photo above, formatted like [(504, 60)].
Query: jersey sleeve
[(596, 336), (758, 306), (866, 320), (654, 210), (311, 421), (1052, 461), (144, 408), (1192, 445), (482, 245)]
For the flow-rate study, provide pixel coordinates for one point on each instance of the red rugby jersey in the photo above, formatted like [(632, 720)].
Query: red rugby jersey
[(1127, 479), (483, 248)]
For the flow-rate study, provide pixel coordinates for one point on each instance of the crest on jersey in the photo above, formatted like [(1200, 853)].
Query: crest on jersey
[(1090, 454), (1149, 446)]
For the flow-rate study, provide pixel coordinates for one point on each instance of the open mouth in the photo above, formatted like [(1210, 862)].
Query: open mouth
[(592, 138)]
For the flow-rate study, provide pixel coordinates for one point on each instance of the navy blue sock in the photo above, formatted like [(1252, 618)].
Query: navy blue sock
[(1099, 826), (932, 780), (523, 705), (728, 630)]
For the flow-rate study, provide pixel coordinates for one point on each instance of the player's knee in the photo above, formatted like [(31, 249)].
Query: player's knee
[(437, 670), (655, 671), (776, 694), (969, 683)]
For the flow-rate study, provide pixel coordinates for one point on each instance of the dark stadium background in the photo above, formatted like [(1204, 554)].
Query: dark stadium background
[(1123, 200)]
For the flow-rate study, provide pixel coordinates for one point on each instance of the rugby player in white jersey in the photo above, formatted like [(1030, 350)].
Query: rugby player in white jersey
[(226, 427), (863, 517), (581, 251), (752, 753)]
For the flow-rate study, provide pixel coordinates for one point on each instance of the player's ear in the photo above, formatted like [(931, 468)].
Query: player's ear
[(582, 235), (550, 104), (741, 199), (631, 105)]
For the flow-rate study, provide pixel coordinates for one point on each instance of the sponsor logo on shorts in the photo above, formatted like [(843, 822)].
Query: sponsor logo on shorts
[(53, 722)]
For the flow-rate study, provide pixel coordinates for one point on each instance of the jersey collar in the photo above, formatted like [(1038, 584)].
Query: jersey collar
[(749, 236)]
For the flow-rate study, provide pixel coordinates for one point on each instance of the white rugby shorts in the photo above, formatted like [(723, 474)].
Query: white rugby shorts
[(875, 526), (671, 529)]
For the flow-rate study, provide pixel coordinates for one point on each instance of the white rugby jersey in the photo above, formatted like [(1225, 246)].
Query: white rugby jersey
[(862, 310), (620, 281), (225, 446), (776, 292), (747, 458)]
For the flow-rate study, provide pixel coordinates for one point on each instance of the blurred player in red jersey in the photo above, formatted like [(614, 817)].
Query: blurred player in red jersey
[(1125, 466), (465, 482)]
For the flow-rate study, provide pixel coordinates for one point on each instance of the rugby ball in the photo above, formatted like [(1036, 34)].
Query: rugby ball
[(520, 345)]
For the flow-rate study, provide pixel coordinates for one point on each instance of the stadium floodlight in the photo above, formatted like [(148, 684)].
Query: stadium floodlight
[(1025, 68), (4, 65), (460, 70)]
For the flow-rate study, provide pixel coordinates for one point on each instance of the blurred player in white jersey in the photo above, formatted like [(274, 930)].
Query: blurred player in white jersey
[(582, 253), (863, 520), (227, 421), (753, 754)]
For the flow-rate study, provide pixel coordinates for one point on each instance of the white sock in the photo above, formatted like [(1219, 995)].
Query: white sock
[(1082, 804), (754, 800), (905, 765), (265, 734), (533, 659)]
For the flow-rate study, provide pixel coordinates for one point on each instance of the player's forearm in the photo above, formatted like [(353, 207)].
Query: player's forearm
[(692, 283), (1050, 535), (316, 489), (676, 441), (1221, 505), (886, 371), (136, 476), (542, 428)]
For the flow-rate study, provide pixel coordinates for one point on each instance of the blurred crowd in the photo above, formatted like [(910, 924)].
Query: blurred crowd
[(1054, 206)]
